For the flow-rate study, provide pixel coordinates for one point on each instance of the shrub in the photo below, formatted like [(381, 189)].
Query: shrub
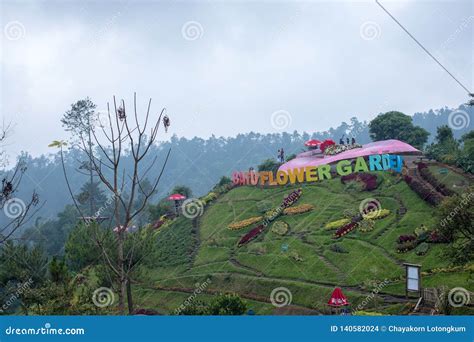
[(303, 208), (280, 228), (244, 223), (209, 198), (337, 224), (422, 249)]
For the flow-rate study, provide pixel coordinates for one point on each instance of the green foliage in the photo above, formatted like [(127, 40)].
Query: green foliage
[(183, 190), (268, 165), (446, 148), (81, 249), (456, 217), (58, 270), (163, 207), (396, 125), (224, 181), (227, 304)]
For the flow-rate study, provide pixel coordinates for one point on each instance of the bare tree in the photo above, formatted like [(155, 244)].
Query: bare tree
[(17, 212), (113, 141)]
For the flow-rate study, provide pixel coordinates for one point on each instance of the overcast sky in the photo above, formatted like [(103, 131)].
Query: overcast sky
[(229, 67)]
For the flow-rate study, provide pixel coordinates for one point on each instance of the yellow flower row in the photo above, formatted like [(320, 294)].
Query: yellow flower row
[(337, 224), (299, 209), (244, 223)]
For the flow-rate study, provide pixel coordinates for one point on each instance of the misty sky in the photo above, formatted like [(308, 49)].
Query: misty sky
[(225, 67)]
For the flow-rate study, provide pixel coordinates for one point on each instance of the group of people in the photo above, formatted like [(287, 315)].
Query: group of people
[(352, 141)]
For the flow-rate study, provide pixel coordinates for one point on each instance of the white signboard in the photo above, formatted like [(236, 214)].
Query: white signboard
[(413, 278)]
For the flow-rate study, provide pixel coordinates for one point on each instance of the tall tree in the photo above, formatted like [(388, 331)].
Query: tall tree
[(124, 131), (79, 120), (396, 125)]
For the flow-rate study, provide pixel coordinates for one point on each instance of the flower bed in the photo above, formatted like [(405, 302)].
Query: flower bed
[(337, 224), (369, 180), (299, 209), (346, 229), (376, 214), (244, 223), (336, 149), (280, 228), (406, 238), (428, 176), (292, 198), (426, 194), (406, 246), (251, 234)]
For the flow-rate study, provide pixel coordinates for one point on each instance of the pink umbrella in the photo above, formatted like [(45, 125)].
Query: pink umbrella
[(176, 198)]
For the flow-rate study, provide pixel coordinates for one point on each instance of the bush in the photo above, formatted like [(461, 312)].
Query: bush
[(422, 249), (227, 304)]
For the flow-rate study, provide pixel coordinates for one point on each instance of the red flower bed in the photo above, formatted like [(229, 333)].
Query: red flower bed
[(345, 229), (251, 234), (426, 194), (405, 238), (369, 180), (428, 176), (292, 198), (326, 143)]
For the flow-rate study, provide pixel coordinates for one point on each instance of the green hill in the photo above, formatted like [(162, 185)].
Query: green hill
[(308, 260)]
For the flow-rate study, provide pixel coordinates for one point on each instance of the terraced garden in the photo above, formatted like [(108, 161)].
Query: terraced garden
[(307, 259)]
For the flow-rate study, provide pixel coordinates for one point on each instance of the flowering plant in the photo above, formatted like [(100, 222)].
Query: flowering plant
[(345, 229), (251, 234), (299, 209), (244, 223)]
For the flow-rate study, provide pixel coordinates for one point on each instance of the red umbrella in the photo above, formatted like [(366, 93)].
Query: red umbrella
[(176, 197), (337, 298), (312, 143)]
